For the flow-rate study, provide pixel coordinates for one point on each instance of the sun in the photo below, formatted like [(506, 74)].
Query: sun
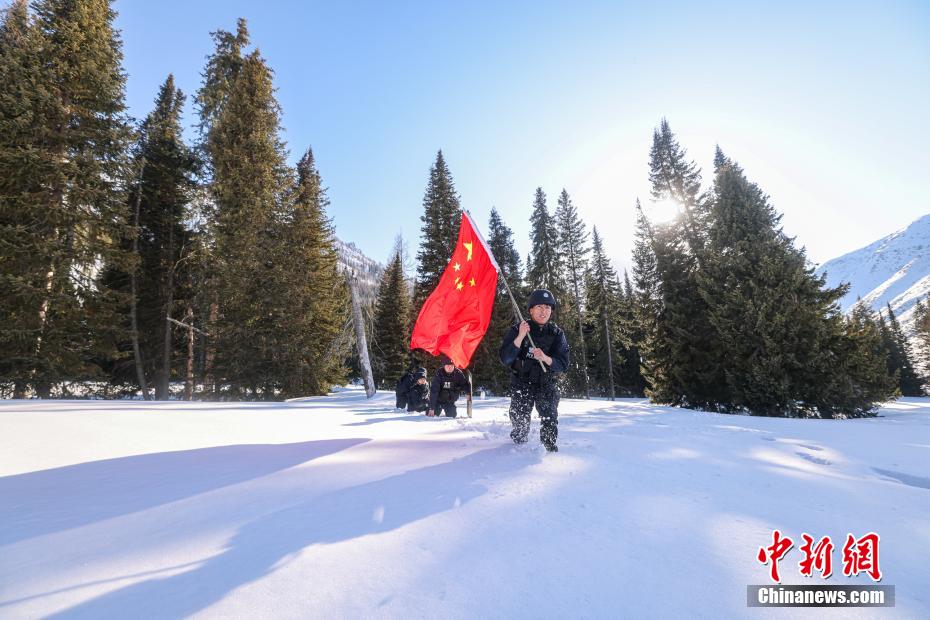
[(663, 211)]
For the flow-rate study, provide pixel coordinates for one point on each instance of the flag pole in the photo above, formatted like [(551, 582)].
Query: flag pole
[(500, 273)]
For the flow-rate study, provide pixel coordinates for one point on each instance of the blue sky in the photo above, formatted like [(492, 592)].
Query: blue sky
[(823, 104)]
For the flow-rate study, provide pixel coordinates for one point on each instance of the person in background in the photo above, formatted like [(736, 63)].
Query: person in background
[(448, 384), (418, 394), (402, 387)]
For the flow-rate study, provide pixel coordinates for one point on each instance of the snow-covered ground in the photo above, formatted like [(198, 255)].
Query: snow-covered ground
[(340, 507)]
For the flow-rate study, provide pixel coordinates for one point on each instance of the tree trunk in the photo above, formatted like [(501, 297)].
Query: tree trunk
[(189, 380), (361, 342), (42, 389), (584, 353), (136, 352), (164, 378), (209, 383), (610, 358)]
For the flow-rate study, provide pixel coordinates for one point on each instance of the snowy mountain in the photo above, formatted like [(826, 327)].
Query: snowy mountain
[(367, 270), (895, 270)]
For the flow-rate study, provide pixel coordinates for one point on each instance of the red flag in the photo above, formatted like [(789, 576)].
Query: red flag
[(455, 317)]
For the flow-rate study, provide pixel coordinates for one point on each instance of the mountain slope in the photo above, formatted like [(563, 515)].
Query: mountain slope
[(895, 270)]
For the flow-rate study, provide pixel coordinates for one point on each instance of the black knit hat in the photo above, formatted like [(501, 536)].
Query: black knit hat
[(420, 373), (445, 359), (541, 296)]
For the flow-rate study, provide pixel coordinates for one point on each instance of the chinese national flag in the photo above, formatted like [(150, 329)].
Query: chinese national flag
[(456, 315)]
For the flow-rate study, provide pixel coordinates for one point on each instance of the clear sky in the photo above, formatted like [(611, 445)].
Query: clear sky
[(824, 104)]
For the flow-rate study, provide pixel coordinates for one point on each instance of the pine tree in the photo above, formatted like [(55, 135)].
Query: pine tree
[(690, 374), (441, 217), (26, 234), (571, 239), (922, 335), (784, 349), (316, 316), (391, 329), (487, 369), (852, 377), (254, 334), (648, 305), (65, 155), (601, 309), (543, 269), (901, 359), (631, 380), (162, 193), (674, 177)]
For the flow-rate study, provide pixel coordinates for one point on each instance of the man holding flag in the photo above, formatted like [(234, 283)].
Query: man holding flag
[(455, 317), (535, 351)]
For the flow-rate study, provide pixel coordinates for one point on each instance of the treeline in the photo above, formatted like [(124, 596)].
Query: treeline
[(130, 259), (722, 311)]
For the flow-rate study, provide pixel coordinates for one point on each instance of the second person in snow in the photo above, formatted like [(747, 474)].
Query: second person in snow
[(448, 384)]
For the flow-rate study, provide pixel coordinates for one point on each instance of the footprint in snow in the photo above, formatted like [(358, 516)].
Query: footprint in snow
[(918, 482), (813, 459)]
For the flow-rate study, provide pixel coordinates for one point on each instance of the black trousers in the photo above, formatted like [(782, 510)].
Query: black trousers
[(545, 397), (447, 408), (401, 402)]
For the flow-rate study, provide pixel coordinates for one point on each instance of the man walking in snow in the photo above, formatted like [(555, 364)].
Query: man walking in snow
[(534, 369), (448, 383)]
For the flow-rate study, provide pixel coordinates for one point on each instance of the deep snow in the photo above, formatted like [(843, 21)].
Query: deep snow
[(342, 507)]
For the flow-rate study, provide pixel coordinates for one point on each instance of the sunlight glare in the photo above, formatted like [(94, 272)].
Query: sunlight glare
[(663, 211)]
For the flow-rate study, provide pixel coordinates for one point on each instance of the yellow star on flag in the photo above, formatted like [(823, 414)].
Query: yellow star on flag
[(456, 266), (460, 286), (472, 281), (468, 245)]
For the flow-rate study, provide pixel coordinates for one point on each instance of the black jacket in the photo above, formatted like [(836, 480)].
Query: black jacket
[(417, 397), (549, 338), (404, 384), (447, 387)]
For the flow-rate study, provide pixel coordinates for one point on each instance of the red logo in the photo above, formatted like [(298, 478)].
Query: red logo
[(776, 551), (859, 555), (818, 557)]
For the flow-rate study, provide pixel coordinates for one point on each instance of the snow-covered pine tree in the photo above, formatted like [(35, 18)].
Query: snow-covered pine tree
[(486, 366), (572, 241), (390, 346), (442, 214), (64, 153)]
